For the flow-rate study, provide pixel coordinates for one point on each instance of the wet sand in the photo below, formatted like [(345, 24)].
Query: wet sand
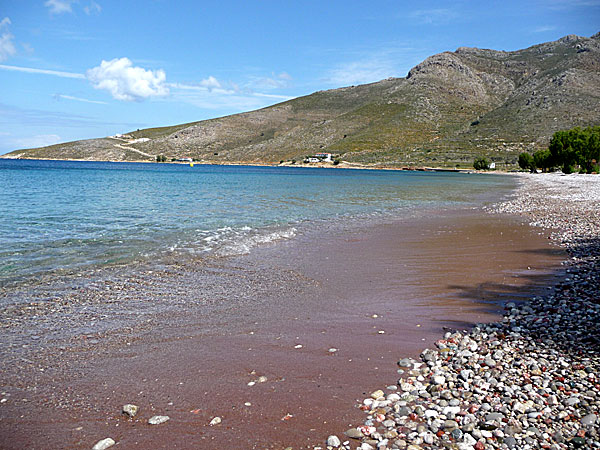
[(204, 333)]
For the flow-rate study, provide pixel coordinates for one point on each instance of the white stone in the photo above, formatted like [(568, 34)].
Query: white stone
[(333, 441), (103, 444), (439, 379), (157, 420)]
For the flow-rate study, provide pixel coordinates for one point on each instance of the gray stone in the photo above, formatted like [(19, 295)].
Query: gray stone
[(354, 433), (494, 416), (450, 424), (590, 419)]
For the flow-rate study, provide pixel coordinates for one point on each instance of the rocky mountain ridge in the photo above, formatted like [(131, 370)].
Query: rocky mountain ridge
[(449, 109)]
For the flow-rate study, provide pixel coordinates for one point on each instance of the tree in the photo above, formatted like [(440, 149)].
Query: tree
[(569, 148), (526, 162), (542, 160), (481, 163)]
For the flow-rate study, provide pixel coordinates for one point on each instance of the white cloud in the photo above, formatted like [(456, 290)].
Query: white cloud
[(273, 82), (92, 8), (59, 6), (211, 83), (543, 29), (433, 16), (78, 99), (7, 46), (126, 82), (569, 4), (41, 140), (55, 73), (361, 72)]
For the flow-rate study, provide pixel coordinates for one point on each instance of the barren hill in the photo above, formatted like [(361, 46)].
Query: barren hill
[(450, 108)]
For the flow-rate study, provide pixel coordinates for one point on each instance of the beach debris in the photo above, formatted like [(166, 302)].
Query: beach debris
[(247, 404), (298, 346), (157, 420), (332, 350), (381, 332), (262, 379), (215, 421), (130, 410), (196, 411), (251, 383), (288, 416), (104, 444)]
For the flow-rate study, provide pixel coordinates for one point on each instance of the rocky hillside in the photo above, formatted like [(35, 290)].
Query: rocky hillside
[(450, 108)]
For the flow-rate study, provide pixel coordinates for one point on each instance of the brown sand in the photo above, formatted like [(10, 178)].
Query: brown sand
[(195, 363)]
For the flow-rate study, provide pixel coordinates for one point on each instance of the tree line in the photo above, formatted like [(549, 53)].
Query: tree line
[(571, 150)]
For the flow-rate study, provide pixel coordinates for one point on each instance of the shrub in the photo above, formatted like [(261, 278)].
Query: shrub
[(481, 163), (336, 162)]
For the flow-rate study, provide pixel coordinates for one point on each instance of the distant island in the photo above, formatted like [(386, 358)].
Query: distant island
[(449, 110)]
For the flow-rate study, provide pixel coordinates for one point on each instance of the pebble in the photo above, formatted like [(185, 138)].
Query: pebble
[(377, 394), (157, 420), (333, 441), (590, 419), (529, 381), (215, 421), (103, 444), (354, 433), (130, 410)]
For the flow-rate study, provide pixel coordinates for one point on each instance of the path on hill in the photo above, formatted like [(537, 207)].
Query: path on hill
[(148, 155)]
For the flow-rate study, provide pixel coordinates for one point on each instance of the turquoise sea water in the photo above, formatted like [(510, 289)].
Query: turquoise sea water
[(67, 216)]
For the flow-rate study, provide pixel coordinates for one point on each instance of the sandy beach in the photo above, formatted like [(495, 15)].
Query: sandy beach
[(279, 344)]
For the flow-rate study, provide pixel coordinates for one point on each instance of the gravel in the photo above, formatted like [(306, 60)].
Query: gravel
[(529, 381)]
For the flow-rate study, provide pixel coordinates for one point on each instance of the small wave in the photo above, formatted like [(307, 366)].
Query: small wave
[(245, 244)]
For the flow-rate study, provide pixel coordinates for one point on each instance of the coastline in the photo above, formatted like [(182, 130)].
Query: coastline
[(530, 380), (181, 348), (342, 165)]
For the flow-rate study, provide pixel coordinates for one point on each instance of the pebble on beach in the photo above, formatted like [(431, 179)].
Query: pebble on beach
[(157, 420), (215, 421), (130, 410), (103, 444)]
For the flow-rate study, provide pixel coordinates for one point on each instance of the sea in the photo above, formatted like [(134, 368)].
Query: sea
[(64, 217)]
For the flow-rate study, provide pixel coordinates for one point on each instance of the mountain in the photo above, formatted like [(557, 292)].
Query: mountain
[(449, 109)]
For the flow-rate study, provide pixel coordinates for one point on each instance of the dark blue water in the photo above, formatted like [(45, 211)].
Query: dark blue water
[(66, 216)]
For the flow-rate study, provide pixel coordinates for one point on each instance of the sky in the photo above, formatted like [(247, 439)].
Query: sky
[(80, 69)]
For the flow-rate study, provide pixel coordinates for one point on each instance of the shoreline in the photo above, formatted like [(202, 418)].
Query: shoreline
[(342, 165), (194, 350), (530, 380)]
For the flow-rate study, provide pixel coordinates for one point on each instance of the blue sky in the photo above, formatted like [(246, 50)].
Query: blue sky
[(78, 69)]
